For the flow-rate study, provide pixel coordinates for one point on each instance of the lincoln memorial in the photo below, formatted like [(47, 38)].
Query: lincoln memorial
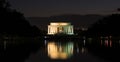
[(60, 27)]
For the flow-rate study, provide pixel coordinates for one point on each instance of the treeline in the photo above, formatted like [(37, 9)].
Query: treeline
[(108, 26), (13, 22)]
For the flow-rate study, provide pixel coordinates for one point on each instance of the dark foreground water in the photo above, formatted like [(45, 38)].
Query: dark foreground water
[(36, 50)]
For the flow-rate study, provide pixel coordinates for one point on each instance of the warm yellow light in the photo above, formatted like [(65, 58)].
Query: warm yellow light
[(60, 27), (54, 24), (58, 51), (60, 23), (52, 49), (63, 55)]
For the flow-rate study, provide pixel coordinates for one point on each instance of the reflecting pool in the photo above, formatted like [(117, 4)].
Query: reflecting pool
[(85, 50)]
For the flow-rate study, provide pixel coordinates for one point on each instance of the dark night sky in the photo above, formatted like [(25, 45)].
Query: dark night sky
[(43, 8)]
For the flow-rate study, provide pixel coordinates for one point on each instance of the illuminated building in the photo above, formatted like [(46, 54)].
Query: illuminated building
[(60, 27)]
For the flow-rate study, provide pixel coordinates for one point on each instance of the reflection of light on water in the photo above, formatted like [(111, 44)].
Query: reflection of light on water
[(110, 43), (45, 42), (106, 43), (52, 50), (60, 51), (84, 42), (77, 50), (101, 42), (83, 50), (5, 43)]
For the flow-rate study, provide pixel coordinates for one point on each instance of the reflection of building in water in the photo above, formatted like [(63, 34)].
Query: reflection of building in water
[(60, 27), (60, 51), (106, 42)]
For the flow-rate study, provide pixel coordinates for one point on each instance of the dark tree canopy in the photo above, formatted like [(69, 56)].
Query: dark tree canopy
[(107, 26), (118, 9), (13, 22)]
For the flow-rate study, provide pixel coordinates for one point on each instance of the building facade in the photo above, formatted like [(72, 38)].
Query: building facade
[(60, 27)]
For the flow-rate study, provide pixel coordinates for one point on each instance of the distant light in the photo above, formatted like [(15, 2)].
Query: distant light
[(45, 36)]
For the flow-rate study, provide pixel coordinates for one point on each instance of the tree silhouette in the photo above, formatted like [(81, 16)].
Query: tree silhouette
[(118, 9), (107, 26), (13, 22)]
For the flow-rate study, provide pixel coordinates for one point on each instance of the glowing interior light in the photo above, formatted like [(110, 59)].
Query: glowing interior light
[(60, 27)]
